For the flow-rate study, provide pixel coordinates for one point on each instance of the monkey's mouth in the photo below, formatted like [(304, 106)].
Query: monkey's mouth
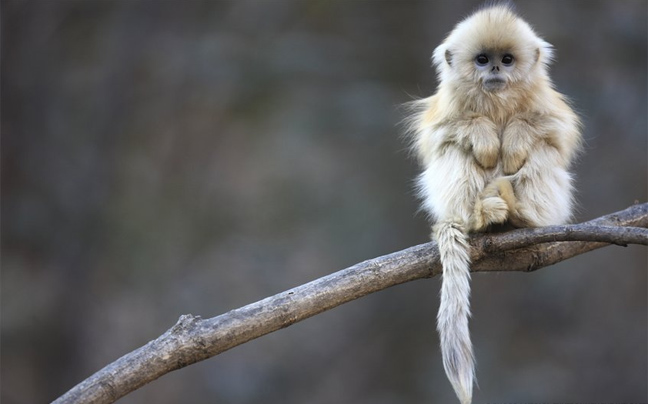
[(494, 84)]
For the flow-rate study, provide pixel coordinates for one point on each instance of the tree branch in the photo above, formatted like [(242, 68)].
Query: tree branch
[(193, 339)]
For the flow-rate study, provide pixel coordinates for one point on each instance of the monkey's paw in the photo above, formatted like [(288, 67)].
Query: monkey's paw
[(494, 210), (501, 187), (512, 161), (483, 141), (490, 210), (486, 151)]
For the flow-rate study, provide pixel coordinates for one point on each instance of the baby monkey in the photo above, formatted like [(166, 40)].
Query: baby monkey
[(495, 143)]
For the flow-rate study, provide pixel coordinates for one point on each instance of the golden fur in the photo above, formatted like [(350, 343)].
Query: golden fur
[(495, 142)]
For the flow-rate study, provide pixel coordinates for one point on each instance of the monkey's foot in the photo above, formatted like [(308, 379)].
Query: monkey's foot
[(501, 187), (490, 210)]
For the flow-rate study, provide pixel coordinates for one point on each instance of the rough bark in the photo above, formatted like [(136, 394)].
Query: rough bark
[(193, 339)]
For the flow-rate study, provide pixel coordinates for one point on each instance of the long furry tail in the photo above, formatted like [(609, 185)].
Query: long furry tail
[(454, 311)]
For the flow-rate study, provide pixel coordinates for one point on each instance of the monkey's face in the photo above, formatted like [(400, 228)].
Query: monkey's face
[(492, 52), (494, 69)]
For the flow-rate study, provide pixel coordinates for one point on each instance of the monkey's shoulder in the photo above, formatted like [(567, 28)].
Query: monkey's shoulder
[(440, 110), (433, 110)]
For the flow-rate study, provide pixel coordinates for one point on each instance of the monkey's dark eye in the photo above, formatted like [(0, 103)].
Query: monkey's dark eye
[(507, 59), (481, 60)]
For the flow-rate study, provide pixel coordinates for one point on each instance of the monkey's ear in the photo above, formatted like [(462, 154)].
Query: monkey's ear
[(544, 53), (448, 57), (441, 56)]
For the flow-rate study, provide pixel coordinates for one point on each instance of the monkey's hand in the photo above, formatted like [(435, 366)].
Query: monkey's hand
[(514, 155), (484, 142), (517, 139)]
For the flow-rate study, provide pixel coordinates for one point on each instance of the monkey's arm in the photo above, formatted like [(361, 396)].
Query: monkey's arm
[(558, 128), (518, 138), (437, 129), (537, 150), (477, 136)]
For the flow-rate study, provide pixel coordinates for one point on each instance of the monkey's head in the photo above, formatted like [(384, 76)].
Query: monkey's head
[(493, 50)]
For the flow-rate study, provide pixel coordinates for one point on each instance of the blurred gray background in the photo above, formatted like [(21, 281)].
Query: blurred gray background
[(170, 157)]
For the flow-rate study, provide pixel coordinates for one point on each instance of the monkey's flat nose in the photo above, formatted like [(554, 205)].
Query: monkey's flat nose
[(495, 68)]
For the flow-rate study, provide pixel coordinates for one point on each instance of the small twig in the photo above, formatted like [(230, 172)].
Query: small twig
[(194, 339)]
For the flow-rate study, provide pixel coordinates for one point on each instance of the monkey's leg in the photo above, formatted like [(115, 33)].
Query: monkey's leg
[(543, 189), (451, 184)]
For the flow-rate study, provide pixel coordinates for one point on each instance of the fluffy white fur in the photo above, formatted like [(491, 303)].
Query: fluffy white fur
[(495, 143)]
